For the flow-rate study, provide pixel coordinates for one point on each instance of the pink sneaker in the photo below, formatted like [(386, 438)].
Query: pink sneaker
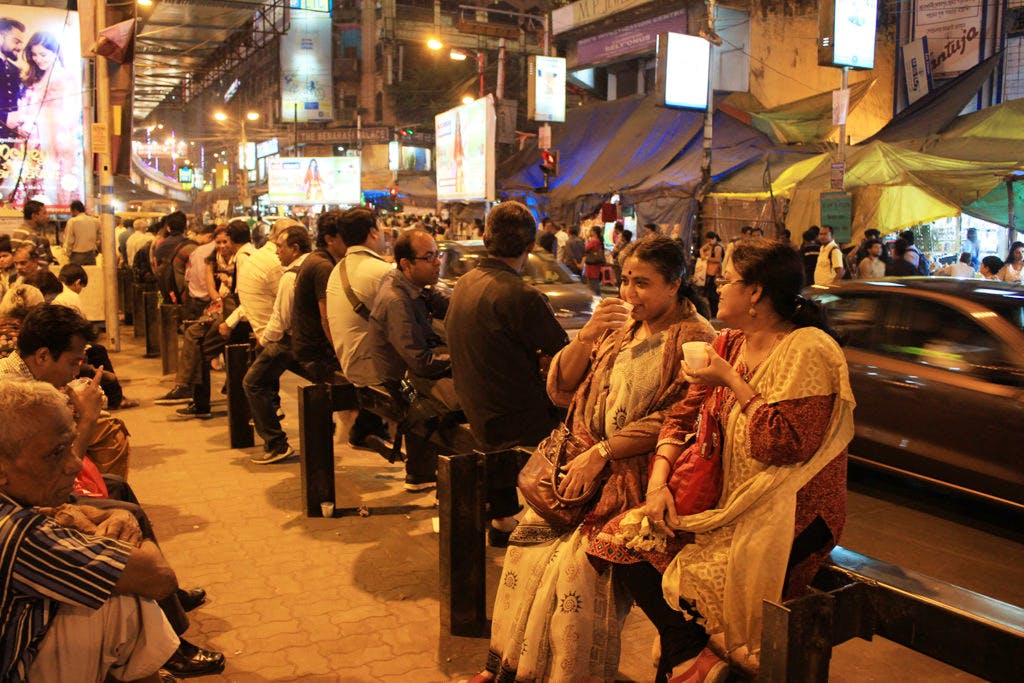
[(704, 668)]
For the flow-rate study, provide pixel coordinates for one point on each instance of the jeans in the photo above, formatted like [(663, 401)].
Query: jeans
[(200, 343), (262, 386)]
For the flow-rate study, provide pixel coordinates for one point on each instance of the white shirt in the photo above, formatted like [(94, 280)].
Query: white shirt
[(829, 258), (957, 269), (365, 268), (280, 322), (562, 238), (195, 273), (70, 298), (258, 275), (136, 241), (81, 234)]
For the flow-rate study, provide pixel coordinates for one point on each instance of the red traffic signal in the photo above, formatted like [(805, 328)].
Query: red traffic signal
[(549, 162), (394, 192)]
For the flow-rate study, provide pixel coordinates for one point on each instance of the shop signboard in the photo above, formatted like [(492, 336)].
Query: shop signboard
[(846, 33), (954, 32), (545, 99), (41, 142), (682, 75), (314, 180), (306, 84), (267, 148), (465, 152), (837, 213), (634, 39), (917, 69)]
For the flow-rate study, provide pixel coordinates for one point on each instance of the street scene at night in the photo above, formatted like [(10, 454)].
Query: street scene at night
[(530, 340)]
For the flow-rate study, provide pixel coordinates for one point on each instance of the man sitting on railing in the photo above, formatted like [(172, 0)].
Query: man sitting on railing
[(402, 338)]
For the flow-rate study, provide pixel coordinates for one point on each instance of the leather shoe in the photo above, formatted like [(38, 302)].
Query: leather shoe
[(191, 598), (189, 661)]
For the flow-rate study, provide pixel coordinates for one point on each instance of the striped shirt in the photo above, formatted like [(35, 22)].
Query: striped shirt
[(42, 565)]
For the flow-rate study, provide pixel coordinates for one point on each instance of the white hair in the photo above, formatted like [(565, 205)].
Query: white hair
[(23, 403), (18, 300)]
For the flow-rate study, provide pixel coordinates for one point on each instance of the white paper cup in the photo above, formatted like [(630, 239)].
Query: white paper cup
[(695, 354), (327, 509)]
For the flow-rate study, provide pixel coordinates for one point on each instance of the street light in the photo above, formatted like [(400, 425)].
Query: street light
[(460, 55), (243, 143)]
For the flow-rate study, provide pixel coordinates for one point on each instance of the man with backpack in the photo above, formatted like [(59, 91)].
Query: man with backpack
[(829, 268), (913, 255), (163, 255)]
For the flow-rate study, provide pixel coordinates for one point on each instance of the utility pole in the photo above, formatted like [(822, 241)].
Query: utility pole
[(106, 207)]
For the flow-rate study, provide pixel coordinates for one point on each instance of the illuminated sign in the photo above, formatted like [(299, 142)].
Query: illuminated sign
[(267, 148), (41, 143), (545, 95), (314, 180), (232, 89), (464, 140), (306, 84), (682, 71), (846, 33)]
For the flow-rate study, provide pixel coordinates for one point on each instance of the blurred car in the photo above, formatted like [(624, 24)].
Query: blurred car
[(572, 301), (937, 368)]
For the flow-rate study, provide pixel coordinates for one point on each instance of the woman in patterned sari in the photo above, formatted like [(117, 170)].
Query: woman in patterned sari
[(555, 616), (777, 394)]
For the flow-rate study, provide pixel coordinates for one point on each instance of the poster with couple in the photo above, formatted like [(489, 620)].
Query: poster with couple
[(41, 145)]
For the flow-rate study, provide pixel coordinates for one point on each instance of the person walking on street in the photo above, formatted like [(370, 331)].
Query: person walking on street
[(829, 268), (81, 236), (593, 259)]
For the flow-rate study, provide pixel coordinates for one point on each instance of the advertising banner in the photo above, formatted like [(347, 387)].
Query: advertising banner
[(546, 90), (953, 29), (917, 69), (464, 139), (314, 180), (306, 83), (854, 34), (682, 76), (628, 40), (41, 147)]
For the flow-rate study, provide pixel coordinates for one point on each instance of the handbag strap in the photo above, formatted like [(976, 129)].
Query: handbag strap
[(358, 306)]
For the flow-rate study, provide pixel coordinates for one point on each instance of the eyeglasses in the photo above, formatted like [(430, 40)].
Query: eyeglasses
[(429, 256), (722, 282)]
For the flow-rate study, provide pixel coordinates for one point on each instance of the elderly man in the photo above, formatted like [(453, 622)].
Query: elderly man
[(77, 606), (140, 237)]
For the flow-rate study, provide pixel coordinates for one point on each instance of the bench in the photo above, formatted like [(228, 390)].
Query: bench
[(462, 484), (854, 596)]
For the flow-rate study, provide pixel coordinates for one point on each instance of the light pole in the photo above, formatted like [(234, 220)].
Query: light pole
[(243, 167)]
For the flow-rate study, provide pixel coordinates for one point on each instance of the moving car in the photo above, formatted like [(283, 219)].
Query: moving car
[(572, 301), (937, 368)]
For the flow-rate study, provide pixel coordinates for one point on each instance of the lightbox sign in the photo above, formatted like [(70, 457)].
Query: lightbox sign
[(464, 143), (306, 82), (846, 33), (314, 180), (682, 71), (267, 148), (41, 144), (545, 98)]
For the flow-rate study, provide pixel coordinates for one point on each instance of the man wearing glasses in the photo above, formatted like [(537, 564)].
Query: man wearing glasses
[(402, 338), (351, 289)]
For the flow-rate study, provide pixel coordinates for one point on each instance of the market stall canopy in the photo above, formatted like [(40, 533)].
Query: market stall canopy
[(994, 207), (808, 120), (939, 108)]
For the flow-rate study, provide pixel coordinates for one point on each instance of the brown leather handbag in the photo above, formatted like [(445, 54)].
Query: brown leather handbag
[(541, 475)]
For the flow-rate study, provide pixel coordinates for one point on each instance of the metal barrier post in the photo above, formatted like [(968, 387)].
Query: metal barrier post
[(139, 310), (152, 328), (239, 428), (170, 316), (461, 546)]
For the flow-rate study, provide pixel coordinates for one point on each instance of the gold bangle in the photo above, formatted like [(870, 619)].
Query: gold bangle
[(750, 400), (604, 450), (656, 489)]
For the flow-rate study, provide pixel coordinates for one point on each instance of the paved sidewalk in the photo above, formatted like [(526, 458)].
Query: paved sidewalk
[(344, 599)]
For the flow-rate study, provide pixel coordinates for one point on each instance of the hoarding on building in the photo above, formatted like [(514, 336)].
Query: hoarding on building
[(683, 63), (546, 89), (306, 82), (41, 145), (464, 140), (953, 29), (314, 180), (917, 69), (846, 33), (638, 38)]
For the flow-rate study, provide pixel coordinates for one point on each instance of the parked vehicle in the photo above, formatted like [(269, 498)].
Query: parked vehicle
[(572, 301), (937, 367)]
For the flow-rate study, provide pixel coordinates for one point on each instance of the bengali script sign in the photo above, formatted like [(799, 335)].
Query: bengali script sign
[(953, 29), (633, 39)]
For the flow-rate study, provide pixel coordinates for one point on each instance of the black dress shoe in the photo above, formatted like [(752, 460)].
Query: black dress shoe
[(191, 598), (189, 661)]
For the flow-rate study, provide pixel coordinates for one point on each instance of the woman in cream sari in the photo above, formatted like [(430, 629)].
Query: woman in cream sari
[(556, 617), (777, 388)]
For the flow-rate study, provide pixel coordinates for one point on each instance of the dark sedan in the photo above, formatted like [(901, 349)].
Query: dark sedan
[(572, 301), (937, 367)]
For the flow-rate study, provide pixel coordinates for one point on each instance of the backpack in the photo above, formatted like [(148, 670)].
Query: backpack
[(142, 269), (165, 278), (923, 268)]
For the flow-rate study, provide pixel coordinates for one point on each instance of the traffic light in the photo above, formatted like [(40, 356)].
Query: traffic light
[(549, 162), (394, 198)]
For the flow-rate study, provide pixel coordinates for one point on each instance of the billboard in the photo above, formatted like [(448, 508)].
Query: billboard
[(41, 145), (954, 32), (306, 83), (464, 144), (314, 180), (682, 75), (846, 33), (545, 93)]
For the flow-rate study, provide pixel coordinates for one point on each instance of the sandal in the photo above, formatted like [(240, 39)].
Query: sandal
[(127, 403), (706, 667)]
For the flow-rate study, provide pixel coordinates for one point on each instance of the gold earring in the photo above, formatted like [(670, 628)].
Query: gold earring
[(752, 312)]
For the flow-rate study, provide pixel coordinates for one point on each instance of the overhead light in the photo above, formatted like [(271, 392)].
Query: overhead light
[(220, 116), (434, 44), (253, 116), (468, 99), (144, 3), (457, 54)]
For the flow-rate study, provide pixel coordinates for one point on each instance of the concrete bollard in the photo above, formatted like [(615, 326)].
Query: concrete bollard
[(170, 316)]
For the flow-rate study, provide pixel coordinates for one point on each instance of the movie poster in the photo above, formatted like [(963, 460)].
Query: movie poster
[(314, 180), (41, 146)]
